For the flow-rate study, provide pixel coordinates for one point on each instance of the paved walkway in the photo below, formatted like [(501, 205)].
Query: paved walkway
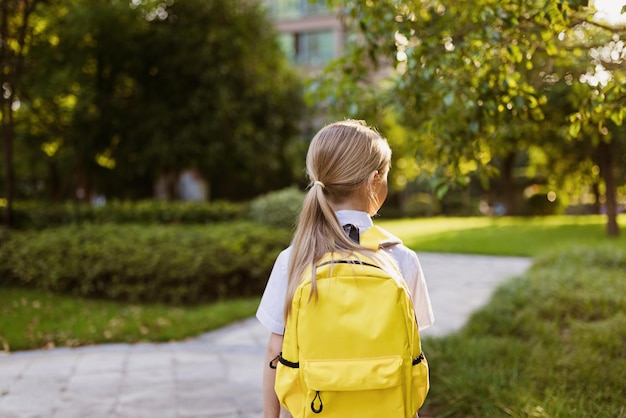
[(215, 375)]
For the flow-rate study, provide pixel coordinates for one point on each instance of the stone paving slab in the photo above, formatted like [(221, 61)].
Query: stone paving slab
[(460, 284), (217, 375)]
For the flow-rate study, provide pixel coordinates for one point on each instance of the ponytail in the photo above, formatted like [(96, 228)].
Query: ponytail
[(340, 158)]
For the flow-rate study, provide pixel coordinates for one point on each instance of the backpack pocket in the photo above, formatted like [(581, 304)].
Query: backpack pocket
[(420, 382), (354, 387)]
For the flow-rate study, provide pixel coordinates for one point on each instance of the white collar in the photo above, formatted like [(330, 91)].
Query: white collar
[(355, 217)]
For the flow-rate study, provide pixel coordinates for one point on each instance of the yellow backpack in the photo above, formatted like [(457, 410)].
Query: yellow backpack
[(355, 351)]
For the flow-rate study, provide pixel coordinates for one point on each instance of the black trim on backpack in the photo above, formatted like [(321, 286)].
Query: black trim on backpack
[(418, 359), (348, 262), (313, 408), (287, 363), (274, 362)]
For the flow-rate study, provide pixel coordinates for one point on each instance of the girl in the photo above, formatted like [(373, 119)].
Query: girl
[(347, 163)]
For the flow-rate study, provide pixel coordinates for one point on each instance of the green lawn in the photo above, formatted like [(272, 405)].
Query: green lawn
[(549, 344), (503, 236), (34, 319)]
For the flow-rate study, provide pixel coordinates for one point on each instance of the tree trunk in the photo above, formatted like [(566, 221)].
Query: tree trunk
[(171, 185), (6, 97), (9, 173), (607, 172), (596, 194), (508, 185), (11, 66), (54, 181)]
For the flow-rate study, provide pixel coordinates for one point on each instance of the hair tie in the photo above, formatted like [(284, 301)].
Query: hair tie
[(319, 183)]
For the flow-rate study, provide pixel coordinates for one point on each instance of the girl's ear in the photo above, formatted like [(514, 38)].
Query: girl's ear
[(371, 179), (372, 186)]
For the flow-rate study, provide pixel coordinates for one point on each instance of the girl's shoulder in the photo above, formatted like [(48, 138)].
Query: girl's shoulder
[(283, 257)]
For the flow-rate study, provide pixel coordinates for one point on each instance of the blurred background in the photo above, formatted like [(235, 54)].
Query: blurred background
[(508, 108)]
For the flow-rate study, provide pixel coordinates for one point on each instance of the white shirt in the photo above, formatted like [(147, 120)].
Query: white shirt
[(271, 309)]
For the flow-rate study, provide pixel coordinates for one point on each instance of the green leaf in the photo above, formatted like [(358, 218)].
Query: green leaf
[(441, 190), (516, 53), (551, 49), (448, 100), (618, 117), (574, 129)]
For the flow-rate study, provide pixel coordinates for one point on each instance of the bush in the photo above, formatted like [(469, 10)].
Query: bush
[(455, 203), (420, 205), (539, 205), (172, 264), (155, 211), (279, 208), (39, 215)]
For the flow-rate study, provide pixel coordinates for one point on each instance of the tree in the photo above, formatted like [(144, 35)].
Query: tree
[(228, 103), (599, 100), (16, 31), (122, 93), (77, 89), (470, 81)]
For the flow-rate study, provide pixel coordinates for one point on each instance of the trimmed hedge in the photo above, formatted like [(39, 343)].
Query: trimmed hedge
[(279, 208), (159, 263), (39, 215)]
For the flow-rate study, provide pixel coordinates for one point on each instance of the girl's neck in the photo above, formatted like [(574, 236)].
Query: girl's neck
[(350, 204), (359, 200)]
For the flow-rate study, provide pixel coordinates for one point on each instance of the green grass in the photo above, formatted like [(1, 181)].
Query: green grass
[(549, 344), (503, 236), (32, 319)]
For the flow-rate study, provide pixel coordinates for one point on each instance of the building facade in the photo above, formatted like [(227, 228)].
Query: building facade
[(310, 33)]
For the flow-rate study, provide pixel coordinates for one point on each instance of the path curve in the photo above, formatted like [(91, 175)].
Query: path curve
[(215, 375)]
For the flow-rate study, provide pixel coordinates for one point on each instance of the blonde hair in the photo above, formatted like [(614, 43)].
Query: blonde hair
[(339, 161)]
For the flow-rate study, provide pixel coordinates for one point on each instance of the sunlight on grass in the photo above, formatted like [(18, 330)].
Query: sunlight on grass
[(502, 236)]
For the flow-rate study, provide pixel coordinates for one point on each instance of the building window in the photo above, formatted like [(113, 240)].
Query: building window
[(315, 49), (296, 9), (309, 49), (288, 45)]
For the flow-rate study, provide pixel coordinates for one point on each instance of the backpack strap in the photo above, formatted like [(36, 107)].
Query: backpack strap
[(375, 238)]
